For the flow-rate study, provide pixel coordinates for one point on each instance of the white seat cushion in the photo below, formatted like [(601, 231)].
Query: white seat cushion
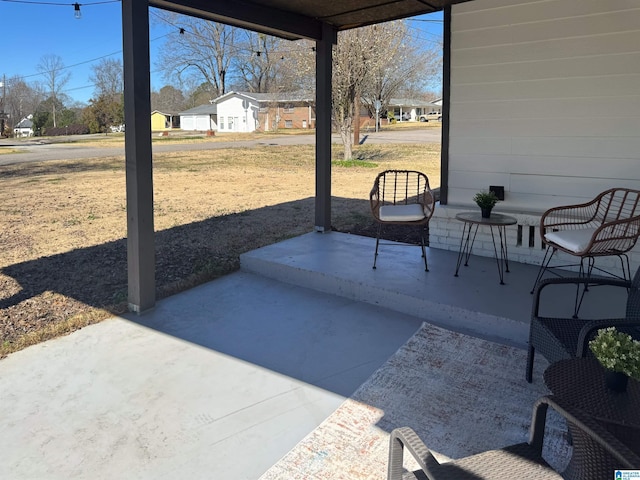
[(401, 213), (572, 240)]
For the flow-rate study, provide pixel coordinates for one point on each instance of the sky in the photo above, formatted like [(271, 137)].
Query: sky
[(35, 28)]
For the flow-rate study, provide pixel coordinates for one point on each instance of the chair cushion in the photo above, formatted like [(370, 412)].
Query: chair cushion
[(401, 213), (572, 240)]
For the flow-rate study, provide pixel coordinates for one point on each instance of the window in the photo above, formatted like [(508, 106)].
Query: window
[(288, 124), (221, 123), (288, 109)]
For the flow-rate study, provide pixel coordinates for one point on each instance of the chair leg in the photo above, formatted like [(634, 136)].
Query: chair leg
[(375, 256), (543, 266), (626, 269), (585, 289), (424, 252), (530, 356)]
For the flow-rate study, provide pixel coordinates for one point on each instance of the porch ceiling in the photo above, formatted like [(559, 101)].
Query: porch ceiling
[(295, 19)]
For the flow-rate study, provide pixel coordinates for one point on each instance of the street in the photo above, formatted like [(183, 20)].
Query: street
[(33, 151)]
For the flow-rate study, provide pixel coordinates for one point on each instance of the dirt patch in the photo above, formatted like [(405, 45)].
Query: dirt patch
[(63, 224)]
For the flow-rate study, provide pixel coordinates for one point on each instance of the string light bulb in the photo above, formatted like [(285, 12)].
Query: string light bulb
[(76, 10)]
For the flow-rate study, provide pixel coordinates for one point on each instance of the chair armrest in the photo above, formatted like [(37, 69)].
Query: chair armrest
[(586, 423), (374, 200), (402, 438), (592, 325), (566, 215), (612, 282)]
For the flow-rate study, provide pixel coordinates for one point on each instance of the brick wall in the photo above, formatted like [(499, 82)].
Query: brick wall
[(523, 240)]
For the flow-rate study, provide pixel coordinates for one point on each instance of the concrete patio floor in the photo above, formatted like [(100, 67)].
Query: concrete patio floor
[(224, 379)]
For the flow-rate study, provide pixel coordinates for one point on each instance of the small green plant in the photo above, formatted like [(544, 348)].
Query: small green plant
[(617, 351), (485, 199)]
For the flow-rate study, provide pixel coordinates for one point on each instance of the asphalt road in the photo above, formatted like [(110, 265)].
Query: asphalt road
[(34, 151)]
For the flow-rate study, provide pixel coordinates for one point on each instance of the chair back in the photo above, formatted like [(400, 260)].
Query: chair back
[(404, 187), (618, 204), (617, 221)]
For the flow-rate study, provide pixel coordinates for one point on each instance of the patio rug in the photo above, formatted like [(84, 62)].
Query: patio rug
[(461, 394)]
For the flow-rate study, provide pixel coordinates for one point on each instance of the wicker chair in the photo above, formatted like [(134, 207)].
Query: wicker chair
[(402, 197), (596, 453), (560, 338), (607, 225)]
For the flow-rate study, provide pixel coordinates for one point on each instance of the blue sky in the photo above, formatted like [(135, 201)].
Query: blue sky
[(32, 30)]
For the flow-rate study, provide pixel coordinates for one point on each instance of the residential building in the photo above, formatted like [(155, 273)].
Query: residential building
[(163, 121), (201, 118), (24, 128), (248, 112)]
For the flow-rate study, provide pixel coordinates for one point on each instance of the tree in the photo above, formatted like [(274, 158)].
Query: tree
[(102, 113), (107, 77), (408, 70), (22, 99), (51, 67), (258, 63), (375, 63), (168, 99), (200, 48), (43, 116)]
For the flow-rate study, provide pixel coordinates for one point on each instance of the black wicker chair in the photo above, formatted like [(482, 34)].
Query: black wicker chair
[(402, 197), (596, 453), (560, 338)]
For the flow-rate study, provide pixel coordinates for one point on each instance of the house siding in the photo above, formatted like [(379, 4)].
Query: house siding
[(243, 120), (299, 116), (545, 101)]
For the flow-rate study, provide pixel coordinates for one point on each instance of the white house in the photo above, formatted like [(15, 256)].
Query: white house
[(543, 100), (200, 118), (248, 112), (407, 109), (237, 112), (24, 128)]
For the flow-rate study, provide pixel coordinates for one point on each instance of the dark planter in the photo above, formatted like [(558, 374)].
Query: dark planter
[(486, 212), (616, 381)]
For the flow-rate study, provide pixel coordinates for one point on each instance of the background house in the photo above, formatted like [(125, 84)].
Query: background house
[(201, 118), (407, 109), (248, 112), (24, 128), (237, 112), (161, 121)]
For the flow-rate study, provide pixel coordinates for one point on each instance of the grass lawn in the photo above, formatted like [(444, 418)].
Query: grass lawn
[(63, 224)]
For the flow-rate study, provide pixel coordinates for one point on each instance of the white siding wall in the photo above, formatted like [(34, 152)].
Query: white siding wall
[(243, 120), (545, 100)]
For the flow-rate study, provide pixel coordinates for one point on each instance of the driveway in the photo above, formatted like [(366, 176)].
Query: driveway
[(40, 152)]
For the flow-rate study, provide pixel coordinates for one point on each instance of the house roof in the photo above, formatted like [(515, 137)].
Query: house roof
[(409, 102), (207, 109), (24, 123), (164, 113), (269, 97), (295, 19)]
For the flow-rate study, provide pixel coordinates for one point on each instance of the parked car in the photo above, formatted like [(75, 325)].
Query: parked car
[(431, 117)]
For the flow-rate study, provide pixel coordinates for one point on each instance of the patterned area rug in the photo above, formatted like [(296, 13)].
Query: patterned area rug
[(461, 394)]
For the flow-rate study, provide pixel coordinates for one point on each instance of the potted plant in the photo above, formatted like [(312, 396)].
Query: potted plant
[(486, 201), (619, 354)]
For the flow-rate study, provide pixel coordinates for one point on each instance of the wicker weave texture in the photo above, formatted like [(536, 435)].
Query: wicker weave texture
[(561, 338), (614, 214), (596, 453), (402, 187)]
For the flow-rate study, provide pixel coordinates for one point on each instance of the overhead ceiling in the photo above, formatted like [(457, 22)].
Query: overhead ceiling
[(294, 19)]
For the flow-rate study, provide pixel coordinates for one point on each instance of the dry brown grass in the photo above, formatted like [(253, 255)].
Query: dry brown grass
[(63, 224)]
